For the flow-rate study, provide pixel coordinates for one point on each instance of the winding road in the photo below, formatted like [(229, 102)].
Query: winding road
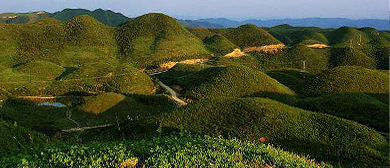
[(174, 94)]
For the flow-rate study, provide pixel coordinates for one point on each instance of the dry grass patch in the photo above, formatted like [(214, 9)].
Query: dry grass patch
[(267, 48)]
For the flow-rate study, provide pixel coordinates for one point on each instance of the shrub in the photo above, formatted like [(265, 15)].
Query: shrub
[(171, 151)]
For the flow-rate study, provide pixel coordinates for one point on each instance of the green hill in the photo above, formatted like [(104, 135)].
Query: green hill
[(234, 81), (219, 45), (325, 137), (250, 36), (369, 41), (316, 60), (86, 31), (348, 79), (153, 38), (351, 57), (106, 17), (180, 73), (348, 37), (102, 102), (299, 35), (351, 105), (38, 42)]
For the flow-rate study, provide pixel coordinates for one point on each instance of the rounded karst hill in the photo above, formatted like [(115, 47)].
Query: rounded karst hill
[(351, 57), (250, 36), (85, 30), (348, 37), (348, 79), (235, 81), (154, 38), (219, 45)]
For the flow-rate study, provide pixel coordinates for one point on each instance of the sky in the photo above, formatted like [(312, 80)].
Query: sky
[(232, 9)]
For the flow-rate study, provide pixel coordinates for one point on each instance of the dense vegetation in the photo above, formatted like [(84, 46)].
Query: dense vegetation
[(154, 38), (250, 36), (181, 151), (219, 45), (108, 17), (234, 81), (323, 136)]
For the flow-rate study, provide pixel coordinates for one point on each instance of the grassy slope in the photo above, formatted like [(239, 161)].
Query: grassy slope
[(371, 42), (351, 79), (179, 74), (219, 45), (316, 59), (31, 78), (107, 17), (322, 136), (250, 36), (299, 35), (351, 57), (201, 33), (351, 105), (154, 38), (234, 81), (102, 102)]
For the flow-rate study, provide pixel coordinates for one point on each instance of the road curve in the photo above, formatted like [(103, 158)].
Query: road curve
[(174, 94)]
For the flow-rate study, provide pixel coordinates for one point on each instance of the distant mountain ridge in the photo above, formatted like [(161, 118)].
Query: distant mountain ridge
[(196, 24), (379, 24), (111, 18), (107, 17)]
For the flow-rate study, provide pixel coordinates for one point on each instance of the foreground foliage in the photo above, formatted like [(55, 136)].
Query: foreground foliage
[(323, 136), (173, 151)]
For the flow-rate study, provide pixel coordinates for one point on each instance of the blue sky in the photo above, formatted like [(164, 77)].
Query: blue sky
[(233, 9)]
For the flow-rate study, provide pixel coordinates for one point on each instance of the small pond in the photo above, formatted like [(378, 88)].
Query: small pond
[(54, 104)]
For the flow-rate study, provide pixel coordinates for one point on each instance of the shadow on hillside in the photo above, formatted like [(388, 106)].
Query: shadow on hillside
[(345, 157), (284, 98), (383, 97)]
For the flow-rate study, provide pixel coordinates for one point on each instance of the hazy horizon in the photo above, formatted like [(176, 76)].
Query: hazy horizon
[(243, 10)]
